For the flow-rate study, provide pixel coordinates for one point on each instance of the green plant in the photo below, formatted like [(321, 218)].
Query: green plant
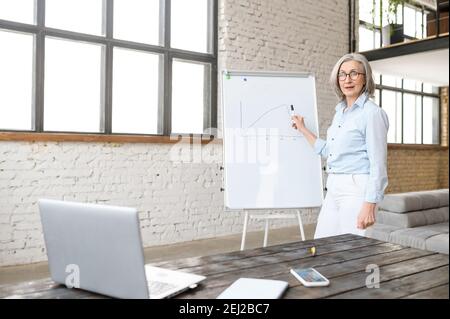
[(387, 14), (390, 12)]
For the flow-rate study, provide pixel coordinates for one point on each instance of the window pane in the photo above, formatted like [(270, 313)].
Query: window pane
[(135, 92), (419, 24), (392, 81), (392, 106), (412, 85), (85, 16), (16, 65), (418, 86), (190, 21), (399, 119), (366, 38), (18, 11), (410, 119), (377, 43), (418, 119), (376, 98), (190, 86), (365, 10), (428, 88), (410, 22), (376, 77), (378, 18), (430, 120), (72, 86), (399, 15), (138, 21)]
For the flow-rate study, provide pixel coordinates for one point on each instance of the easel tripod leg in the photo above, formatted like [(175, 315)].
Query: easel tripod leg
[(266, 232), (244, 231), (300, 224)]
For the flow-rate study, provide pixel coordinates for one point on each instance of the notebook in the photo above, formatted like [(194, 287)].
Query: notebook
[(251, 288)]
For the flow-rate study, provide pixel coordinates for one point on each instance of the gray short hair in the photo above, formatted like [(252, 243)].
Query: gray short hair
[(369, 87)]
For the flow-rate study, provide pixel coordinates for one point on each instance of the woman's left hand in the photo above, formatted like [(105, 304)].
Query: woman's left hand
[(366, 217)]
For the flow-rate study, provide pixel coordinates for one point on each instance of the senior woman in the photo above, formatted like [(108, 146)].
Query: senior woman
[(355, 150)]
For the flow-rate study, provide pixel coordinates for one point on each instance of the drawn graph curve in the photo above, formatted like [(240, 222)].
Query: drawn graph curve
[(251, 130)]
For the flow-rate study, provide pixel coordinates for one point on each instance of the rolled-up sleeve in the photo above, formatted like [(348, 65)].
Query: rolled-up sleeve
[(320, 147), (376, 140)]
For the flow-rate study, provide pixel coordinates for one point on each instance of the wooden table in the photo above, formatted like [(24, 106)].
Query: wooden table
[(404, 272)]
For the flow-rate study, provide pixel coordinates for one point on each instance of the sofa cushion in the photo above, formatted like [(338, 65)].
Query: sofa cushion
[(441, 228), (413, 219), (412, 237), (429, 200), (410, 219), (400, 203), (443, 197), (415, 201), (435, 216), (438, 243), (380, 231), (431, 237)]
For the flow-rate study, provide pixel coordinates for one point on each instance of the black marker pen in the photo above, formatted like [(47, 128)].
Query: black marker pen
[(292, 114)]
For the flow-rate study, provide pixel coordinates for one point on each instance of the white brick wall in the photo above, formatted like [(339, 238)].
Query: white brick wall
[(177, 201)]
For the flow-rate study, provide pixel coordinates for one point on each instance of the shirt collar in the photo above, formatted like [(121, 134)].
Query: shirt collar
[(360, 101)]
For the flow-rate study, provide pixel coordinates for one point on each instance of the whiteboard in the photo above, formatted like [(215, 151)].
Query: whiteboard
[(267, 163)]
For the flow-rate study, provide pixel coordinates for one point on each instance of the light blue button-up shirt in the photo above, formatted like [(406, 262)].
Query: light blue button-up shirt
[(357, 144)]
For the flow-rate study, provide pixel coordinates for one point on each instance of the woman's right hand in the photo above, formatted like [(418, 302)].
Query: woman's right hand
[(298, 123)]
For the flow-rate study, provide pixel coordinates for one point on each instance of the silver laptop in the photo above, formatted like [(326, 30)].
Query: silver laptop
[(99, 248)]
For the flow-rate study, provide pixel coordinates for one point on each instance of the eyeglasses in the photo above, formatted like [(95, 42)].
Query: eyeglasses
[(342, 76)]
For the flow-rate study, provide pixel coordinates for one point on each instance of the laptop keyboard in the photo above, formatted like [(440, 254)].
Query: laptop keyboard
[(158, 287)]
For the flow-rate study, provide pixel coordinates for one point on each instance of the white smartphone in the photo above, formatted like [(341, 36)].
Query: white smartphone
[(310, 277)]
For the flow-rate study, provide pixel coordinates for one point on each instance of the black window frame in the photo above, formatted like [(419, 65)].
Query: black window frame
[(422, 95), (374, 27), (40, 32)]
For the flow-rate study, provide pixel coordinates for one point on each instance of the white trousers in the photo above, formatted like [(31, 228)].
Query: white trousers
[(342, 205)]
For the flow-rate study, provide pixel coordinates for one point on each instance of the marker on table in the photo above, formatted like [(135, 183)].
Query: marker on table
[(313, 251)]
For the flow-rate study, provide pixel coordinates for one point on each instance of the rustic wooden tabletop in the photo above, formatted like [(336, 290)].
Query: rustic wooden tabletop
[(346, 260)]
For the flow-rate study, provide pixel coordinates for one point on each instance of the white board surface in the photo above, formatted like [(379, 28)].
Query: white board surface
[(267, 163)]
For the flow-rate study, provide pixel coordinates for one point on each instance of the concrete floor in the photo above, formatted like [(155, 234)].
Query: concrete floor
[(204, 247)]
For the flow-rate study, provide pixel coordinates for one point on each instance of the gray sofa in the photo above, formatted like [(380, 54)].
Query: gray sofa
[(415, 219)]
